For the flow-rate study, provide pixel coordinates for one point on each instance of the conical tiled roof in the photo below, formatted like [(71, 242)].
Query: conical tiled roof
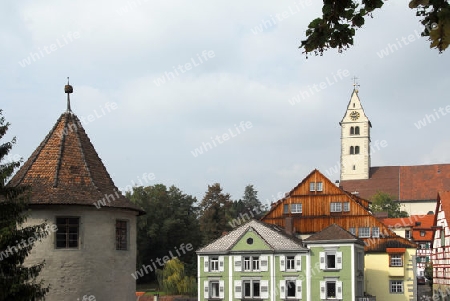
[(65, 169)]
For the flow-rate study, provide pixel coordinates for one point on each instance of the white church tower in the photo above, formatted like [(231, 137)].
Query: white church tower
[(355, 141)]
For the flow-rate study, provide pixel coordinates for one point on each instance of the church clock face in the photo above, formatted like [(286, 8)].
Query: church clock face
[(354, 115)]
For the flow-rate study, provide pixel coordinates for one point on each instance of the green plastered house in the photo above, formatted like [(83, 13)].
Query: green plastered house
[(337, 265), (259, 261)]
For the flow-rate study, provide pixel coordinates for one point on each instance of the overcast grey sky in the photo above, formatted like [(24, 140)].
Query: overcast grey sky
[(242, 78)]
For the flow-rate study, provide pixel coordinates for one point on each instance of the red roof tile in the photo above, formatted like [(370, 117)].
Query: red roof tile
[(405, 183), (66, 169)]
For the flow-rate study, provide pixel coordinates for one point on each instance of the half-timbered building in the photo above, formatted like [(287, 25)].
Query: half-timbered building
[(441, 248)]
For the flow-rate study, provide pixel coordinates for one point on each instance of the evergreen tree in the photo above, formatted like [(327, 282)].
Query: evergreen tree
[(17, 281), (251, 201), (215, 213)]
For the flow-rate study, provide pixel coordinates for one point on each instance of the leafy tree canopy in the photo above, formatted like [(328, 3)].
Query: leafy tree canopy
[(171, 220), (173, 280), (17, 280), (340, 18), (383, 202)]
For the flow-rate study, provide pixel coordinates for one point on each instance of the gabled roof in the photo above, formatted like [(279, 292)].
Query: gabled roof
[(404, 183), (65, 169), (332, 234), (316, 214), (276, 238), (318, 175), (357, 106), (417, 223), (443, 201)]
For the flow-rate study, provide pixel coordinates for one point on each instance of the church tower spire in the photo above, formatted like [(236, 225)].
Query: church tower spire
[(355, 140)]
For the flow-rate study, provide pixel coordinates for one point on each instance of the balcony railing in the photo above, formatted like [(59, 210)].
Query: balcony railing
[(366, 298)]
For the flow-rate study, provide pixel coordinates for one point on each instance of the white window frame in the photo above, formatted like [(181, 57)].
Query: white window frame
[(335, 207), (252, 263), (346, 206), (362, 233), (319, 186), (296, 208), (262, 293), (324, 289), (315, 186), (376, 232), (324, 259), (396, 286), (352, 230), (290, 263), (395, 260), (214, 264), (284, 289), (209, 290), (408, 234)]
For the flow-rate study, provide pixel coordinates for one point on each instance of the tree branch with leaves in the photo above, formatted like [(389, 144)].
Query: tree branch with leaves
[(340, 19)]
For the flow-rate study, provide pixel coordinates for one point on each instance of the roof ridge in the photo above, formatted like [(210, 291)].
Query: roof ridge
[(61, 149), (83, 154)]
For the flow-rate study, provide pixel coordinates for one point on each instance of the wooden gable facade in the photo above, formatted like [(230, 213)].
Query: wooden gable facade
[(316, 203)]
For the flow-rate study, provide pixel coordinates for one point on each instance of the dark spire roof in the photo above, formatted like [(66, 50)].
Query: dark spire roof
[(65, 169)]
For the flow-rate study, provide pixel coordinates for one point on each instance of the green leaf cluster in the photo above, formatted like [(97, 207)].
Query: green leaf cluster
[(383, 202), (336, 28), (171, 220), (173, 280)]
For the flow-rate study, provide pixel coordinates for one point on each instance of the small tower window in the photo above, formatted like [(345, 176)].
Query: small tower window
[(354, 167), (352, 131), (352, 150), (356, 150), (356, 130), (121, 235), (353, 104)]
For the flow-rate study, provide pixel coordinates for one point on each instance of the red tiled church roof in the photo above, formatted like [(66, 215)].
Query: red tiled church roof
[(404, 183), (65, 169)]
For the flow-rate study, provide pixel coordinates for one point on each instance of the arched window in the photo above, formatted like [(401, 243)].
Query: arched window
[(352, 130), (356, 130), (356, 150), (354, 167), (352, 150)]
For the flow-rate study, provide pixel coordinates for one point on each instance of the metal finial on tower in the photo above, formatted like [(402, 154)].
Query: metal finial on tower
[(355, 84), (68, 89)]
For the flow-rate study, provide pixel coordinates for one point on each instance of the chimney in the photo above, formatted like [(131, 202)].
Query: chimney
[(288, 225)]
